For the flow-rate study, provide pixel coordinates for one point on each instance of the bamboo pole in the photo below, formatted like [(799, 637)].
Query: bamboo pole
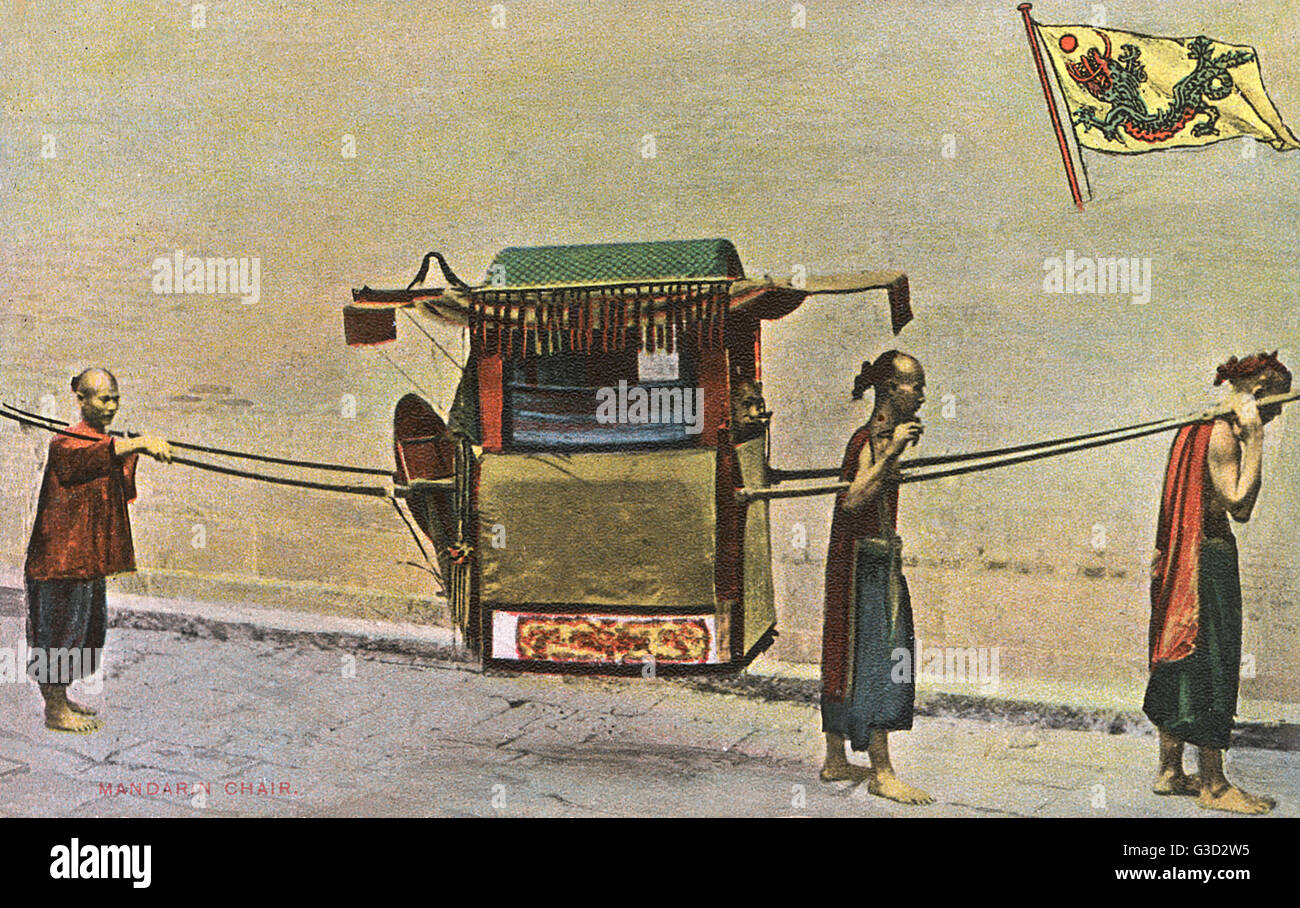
[(745, 495)]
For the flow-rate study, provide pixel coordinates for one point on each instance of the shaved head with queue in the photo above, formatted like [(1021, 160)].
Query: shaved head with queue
[(80, 536)]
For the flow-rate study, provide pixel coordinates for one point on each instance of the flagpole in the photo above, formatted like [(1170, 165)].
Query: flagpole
[(1051, 105)]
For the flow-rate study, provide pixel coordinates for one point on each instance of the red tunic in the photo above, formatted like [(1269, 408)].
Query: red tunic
[(1187, 515), (82, 529), (846, 528)]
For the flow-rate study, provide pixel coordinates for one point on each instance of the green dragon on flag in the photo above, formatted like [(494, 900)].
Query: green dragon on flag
[(1157, 93), (1116, 82)]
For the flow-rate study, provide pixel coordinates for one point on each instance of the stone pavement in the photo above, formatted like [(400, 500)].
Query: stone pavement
[(242, 727)]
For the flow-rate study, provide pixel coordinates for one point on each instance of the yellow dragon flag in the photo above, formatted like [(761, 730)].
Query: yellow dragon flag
[(1128, 93)]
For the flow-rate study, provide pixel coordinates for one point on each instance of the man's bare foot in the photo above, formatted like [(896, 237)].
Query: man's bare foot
[(1232, 798), (81, 708), (844, 771), (1267, 802), (1180, 783), (888, 785), (67, 720)]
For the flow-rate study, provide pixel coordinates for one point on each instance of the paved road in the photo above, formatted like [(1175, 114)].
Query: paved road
[(274, 729)]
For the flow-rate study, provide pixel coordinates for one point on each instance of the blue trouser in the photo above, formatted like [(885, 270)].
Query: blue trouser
[(67, 621), (1195, 698), (882, 688)]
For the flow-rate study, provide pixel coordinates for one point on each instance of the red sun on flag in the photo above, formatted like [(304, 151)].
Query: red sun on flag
[(1068, 43)]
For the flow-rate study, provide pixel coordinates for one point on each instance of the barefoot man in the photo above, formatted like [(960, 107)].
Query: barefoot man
[(1195, 642), (81, 535), (868, 610)]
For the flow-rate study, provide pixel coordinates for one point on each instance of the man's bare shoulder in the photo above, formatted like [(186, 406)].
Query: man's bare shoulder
[(1223, 443)]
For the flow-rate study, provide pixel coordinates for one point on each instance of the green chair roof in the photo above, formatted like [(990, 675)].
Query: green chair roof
[(602, 263)]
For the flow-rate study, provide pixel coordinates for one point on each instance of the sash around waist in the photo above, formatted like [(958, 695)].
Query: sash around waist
[(877, 547)]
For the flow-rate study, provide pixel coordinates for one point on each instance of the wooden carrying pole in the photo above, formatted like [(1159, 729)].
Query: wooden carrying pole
[(747, 494)]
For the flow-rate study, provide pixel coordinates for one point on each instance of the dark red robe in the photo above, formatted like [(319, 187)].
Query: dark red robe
[(846, 528), (82, 529), (1175, 606)]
